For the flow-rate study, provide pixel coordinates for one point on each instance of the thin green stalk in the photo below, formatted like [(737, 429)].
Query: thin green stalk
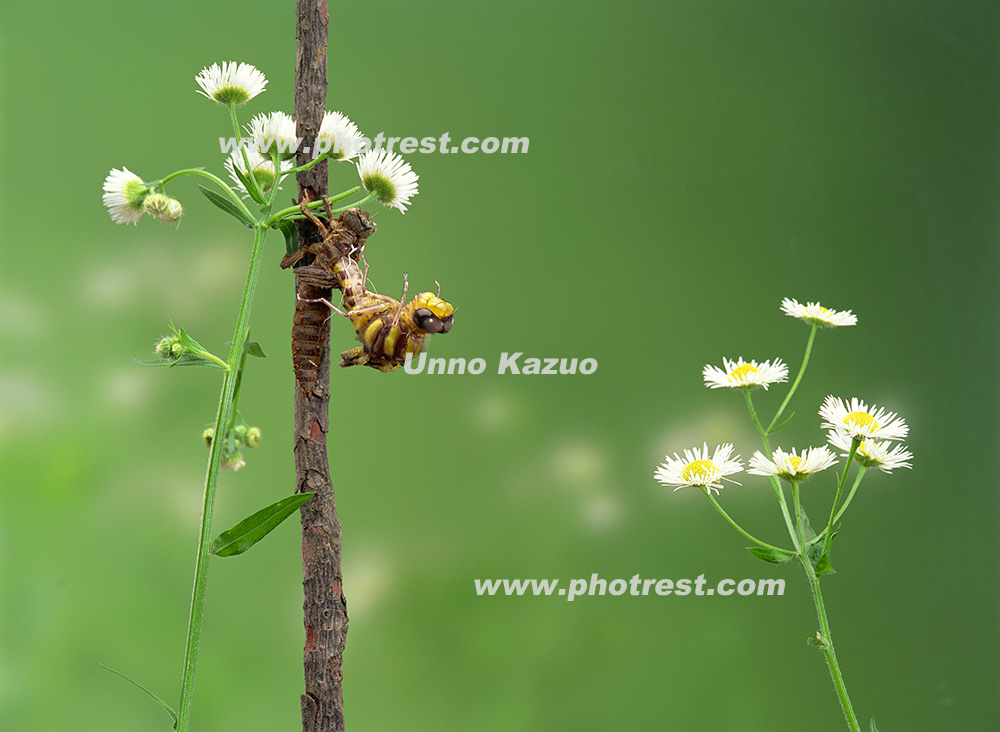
[(756, 421), (847, 502), (775, 483), (215, 179), (222, 417), (836, 500), (825, 639), (739, 528), (776, 487), (798, 378), (236, 126), (292, 212)]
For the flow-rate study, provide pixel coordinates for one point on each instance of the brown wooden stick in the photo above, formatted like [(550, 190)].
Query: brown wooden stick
[(324, 608)]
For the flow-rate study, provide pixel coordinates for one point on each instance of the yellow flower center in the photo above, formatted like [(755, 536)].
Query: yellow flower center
[(793, 462), (861, 420), (698, 471), (743, 371)]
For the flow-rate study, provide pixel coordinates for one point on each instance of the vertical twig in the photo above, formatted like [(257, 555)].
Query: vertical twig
[(324, 608)]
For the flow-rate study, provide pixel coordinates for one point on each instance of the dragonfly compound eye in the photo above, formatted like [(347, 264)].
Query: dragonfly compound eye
[(426, 320)]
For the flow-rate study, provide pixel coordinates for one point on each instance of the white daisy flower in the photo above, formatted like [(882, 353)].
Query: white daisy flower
[(857, 420), (882, 455), (124, 193), (231, 83), (340, 136), (697, 469), (392, 179), (744, 375), (275, 130), (790, 466), (262, 169), (815, 314)]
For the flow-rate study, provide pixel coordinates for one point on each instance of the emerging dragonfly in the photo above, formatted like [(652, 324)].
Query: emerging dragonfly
[(388, 329)]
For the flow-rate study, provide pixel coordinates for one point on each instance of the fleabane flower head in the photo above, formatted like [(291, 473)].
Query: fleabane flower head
[(792, 467), (231, 83), (696, 468), (124, 194), (274, 131), (339, 137), (816, 314), (389, 177), (882, 455), (739, 374), (260, 168), (858, 420)]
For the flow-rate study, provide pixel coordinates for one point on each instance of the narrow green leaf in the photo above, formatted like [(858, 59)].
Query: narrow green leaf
[(185, 359), (291, 234), (252, 348), (786, 421), (770, 555), (166, 707), (250, 183), (872, 727), (254, 528), (228, 206)]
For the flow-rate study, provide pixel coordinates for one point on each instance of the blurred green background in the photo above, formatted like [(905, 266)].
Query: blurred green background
[(691, 164)]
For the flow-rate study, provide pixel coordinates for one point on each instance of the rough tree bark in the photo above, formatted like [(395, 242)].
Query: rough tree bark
[(324, 608)]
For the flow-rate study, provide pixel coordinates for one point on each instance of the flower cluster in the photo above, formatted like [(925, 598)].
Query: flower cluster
[(854, 427), (271, 141)]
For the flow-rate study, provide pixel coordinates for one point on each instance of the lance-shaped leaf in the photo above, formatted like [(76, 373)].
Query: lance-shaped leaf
[(291, 234), (185, 359), (254, 528), (229, 207), (166, 707)]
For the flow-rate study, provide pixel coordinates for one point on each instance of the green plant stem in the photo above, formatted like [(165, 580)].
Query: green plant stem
[(230, 193), (825, 639), (798, 378), (222, 417), (739, 528), (287, 212), (756, 421), (292, 212), (847, 502), (836, 500)]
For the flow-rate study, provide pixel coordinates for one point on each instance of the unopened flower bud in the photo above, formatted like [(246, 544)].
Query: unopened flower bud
[(252, 438), (208, 435), (169, 347), (166, 209)]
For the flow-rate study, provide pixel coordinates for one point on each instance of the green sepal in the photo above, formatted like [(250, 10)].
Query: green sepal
[(872, 727), (166, 707), (254, 528), (770, 555), (229, 207), (291, 234), (252, 348)]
